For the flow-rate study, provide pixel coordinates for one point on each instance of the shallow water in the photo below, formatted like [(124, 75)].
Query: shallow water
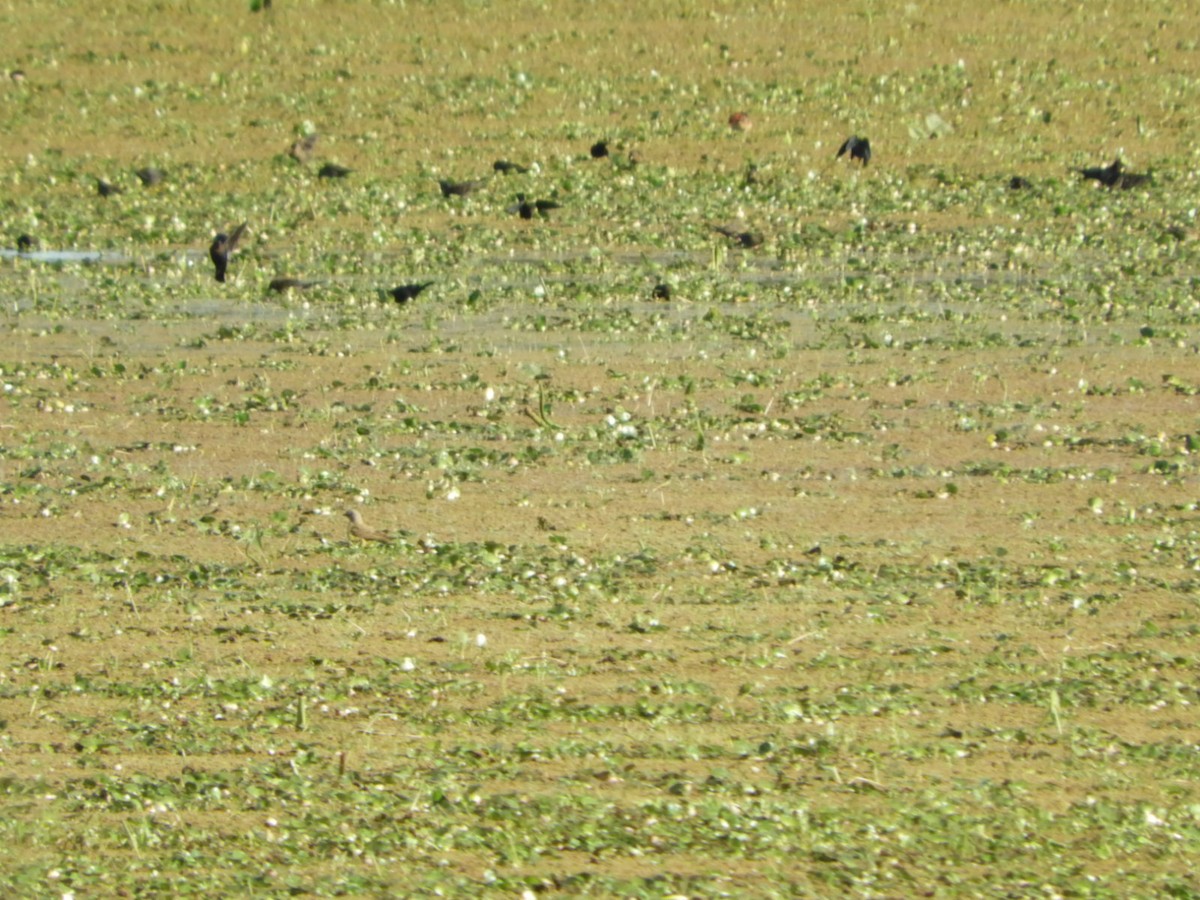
[(106, 257)]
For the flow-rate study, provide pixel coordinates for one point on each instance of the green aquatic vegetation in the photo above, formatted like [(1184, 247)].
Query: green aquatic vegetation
[(747, 591)]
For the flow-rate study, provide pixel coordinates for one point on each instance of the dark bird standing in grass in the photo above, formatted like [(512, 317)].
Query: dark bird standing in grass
[(333, 170), (406, 292), (527, 208), (1017, 183), (599, 150), (1115, 176), (662, 291), (280, 285), (26, 243), (150, 176), (744, 239), (858, 147), (504, 167), (459, 188), (302, 149), (222, 246), (104, 189)]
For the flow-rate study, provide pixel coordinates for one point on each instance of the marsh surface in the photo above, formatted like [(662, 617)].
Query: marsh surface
[(864, 566)]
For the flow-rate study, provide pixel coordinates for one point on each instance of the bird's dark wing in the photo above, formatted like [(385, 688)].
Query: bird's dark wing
[(232, 241)]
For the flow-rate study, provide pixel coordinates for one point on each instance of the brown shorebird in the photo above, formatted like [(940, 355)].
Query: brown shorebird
[(222, 246), (302, 149), (858, 147), (360, 530)]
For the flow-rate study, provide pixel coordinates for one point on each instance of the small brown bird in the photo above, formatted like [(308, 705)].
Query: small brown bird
[(740, 121), (745, 239), (360, 530), (459, 188), (222, 247), (302, 148), (858, 147)]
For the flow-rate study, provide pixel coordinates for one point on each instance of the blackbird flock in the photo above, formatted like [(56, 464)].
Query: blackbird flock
[(224, 245), (855, 148)]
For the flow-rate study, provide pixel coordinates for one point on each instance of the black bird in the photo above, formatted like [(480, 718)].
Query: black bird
[(150, 176), (1107, 175), (1132, 179), (504, 167), (407, 292), (745, 239), (25, 243), (858, 148), (459, 188), (280, 285), (1115, 176), (599, 150), (662, 291), (222, 246), (333, 170), (104, 189), (527, 208), (1017, 183), (302, 148)]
